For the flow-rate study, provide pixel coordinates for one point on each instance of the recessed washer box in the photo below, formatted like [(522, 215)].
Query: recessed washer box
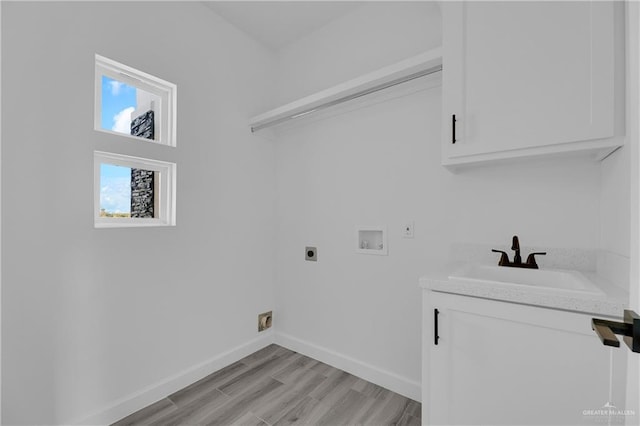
[(372, 240)]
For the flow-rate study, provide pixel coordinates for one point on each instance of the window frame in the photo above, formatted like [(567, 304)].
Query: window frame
[(165, 112), (166, 190)]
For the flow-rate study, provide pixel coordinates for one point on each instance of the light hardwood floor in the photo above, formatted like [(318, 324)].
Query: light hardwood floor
[(276, 386)]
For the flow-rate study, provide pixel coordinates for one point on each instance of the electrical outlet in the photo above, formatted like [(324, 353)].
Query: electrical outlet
[(407, 230), (264, 321), (311, 254)]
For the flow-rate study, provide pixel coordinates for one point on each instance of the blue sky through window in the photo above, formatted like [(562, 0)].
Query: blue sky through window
[(115, 188), (118, 102)]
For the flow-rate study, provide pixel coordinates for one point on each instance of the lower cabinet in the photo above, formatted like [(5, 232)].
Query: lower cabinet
[(500, 363)]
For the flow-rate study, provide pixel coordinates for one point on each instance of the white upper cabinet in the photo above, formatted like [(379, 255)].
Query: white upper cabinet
[(527, 78)]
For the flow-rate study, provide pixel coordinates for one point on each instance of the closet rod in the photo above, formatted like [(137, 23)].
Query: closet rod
[(386, 85)]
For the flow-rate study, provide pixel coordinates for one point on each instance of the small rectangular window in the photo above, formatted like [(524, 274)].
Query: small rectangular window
[(133, 103), (132, 191)]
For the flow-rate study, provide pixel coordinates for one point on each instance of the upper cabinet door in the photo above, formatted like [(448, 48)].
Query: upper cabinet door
[(526, 78)]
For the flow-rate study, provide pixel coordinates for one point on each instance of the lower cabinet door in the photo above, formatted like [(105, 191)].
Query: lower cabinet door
[(499, 363)]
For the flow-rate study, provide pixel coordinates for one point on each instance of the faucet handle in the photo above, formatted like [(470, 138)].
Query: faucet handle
[(531, 259), (515, 243), (504, 258)]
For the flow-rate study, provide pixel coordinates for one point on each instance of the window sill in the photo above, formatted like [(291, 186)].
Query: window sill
[(131, 223)]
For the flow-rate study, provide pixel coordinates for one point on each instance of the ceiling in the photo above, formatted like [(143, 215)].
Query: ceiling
[(276, 24)]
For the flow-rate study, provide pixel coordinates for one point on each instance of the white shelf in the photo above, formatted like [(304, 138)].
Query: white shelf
[(594, 150), (389, 75)]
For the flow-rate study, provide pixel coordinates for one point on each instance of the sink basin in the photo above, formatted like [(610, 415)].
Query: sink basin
[(547, 279)]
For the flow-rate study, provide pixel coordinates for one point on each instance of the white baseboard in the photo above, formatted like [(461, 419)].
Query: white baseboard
[(147, 396), (394, 382)]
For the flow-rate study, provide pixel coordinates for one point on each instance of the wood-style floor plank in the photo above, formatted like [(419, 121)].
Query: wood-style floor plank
[(249, 419), (276, 386), (334, 388), (344, 410), (244, 380), (275, 408), (291, 373), (391, 411), (409, 420), (245, 402), (302, 413), (195, 411), (369, 389), (211, 382), (158, 410)]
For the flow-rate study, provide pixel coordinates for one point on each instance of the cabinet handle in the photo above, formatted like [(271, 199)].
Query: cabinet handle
[(629, 328), (453, 128), (435, 326)]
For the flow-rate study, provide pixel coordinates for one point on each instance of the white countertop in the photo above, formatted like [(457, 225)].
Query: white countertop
[(612, 302)]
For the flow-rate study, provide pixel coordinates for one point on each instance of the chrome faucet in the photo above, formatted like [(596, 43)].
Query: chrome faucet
[(517, 259)]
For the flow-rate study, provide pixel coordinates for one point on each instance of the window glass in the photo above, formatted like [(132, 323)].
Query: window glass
[(115, 191), (127, 109), (127, 192)]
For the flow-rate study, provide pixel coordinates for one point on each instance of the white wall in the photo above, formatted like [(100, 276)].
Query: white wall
[(380, 165), (370, 37), (615, 218), (615, 208), (90, 316)]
